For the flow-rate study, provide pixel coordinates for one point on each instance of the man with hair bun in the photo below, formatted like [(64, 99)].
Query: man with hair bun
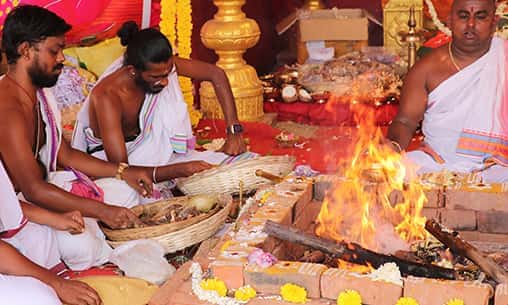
[(137, 114)]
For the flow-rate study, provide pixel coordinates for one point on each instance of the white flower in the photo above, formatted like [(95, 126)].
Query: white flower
[(210, 296)]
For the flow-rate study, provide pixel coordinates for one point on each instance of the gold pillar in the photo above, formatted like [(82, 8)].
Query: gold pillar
[(230, 33), (395, 19), (313, 5)]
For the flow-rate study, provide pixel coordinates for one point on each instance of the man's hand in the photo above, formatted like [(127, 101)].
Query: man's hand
[(234, 145), (139, 179), (70, 221), (76, 293), (186, 169), (119, 217)]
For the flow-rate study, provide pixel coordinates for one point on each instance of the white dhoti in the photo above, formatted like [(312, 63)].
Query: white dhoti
[(465, 123), (80, 251), (165, 137), (24, 290)]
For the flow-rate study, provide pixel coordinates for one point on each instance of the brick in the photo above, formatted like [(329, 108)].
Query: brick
[(269, 280), (484, 237), (306, 220), (434, 292), (458, 219), (478, 201), (493, 222), (229, 271), (334, 281), (431, 213), (501, 295), (305, 197), (271, 300), (435, 198)]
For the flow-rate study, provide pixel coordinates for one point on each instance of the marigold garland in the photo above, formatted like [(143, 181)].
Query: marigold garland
[(176, 24), (349, 297), (293, 293), (455, 302), (245, 293), (407, 301), (214, 285)]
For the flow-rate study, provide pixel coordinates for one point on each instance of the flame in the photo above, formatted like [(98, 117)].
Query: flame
[(373, 206), (361, 269)]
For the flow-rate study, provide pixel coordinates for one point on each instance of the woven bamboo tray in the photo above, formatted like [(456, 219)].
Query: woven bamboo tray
[(226, 179), (179, 235)]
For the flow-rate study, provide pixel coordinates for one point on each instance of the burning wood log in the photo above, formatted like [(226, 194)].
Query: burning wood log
[(354, 253), (461, 247)]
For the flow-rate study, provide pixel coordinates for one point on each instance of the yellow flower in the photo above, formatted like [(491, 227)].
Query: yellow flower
[(455, 302), (265, 197), (245, 293), (349, 297), (407, 301), (215, 285), (293, 293)]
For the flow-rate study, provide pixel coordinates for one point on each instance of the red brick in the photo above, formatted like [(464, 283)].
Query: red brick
[(334, 281), (435, 198), (458, 219), (501, 295), (269, 280), (435, 292), (493, 222), (270, 300), (306, 220), (305, 197), (431, 213), (484, 237), (478, 201), (229, 271)]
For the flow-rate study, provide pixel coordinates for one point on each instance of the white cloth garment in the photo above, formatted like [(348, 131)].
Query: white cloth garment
[(24, 290), (80, 251), (36, 242), (464, 110), (164, 125)]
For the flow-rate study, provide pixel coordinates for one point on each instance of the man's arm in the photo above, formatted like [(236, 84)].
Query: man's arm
[(70, 292), (27, 176), (70, 221), (204, 71), (109, 119), (413, 103)]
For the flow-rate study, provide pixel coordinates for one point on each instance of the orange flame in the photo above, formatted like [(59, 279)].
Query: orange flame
[(373, 206)]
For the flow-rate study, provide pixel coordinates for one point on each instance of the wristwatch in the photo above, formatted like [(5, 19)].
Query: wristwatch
[(234, 129)]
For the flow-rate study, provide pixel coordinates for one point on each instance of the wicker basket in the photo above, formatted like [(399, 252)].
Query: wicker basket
[(226, 179), (174, 236)]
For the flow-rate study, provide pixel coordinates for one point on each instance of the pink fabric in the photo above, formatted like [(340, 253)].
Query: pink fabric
[(82, 190)]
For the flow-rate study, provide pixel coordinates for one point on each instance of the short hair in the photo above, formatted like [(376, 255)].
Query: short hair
[(32, 24), (143, 46)]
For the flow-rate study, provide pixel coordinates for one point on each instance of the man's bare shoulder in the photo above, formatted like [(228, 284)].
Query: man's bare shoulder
[(107, 90), (11, 110), (432, 62)]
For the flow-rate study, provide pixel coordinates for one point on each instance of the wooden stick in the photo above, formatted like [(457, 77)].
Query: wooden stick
[(461, 247), (354, 253), (271, 177)]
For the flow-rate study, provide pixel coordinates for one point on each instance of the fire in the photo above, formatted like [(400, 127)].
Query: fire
[(373, 206), (361, 269)]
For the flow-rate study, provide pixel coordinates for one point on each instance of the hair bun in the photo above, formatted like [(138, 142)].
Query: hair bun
[(127, 31)]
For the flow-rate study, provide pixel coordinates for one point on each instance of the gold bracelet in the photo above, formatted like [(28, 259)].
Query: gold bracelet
[(121, 168), (397, 145)]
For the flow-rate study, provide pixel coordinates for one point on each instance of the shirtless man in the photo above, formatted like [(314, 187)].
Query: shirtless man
[(33, 40), (137, 107), (455, 91)]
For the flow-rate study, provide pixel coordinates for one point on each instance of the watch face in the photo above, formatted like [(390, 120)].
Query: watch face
[(235, 128)]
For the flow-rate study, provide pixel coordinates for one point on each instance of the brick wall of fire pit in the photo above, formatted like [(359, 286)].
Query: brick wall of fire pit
[(297, 204)]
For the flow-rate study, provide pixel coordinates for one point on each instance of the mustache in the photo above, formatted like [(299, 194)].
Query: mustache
[(58, 67)]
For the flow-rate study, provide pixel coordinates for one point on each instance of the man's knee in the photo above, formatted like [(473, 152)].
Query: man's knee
[(84, 250)]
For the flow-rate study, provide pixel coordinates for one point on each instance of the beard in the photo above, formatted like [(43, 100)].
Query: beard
[(146, 85), (42, 79)]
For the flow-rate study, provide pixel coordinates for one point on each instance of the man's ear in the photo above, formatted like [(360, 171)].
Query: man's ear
[(24, 50), (131, 70)]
